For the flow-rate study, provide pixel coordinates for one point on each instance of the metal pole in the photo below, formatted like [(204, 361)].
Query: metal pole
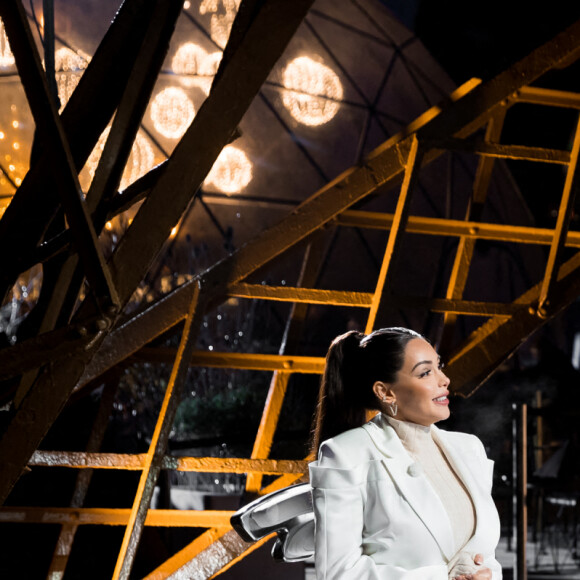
[(522, 484)]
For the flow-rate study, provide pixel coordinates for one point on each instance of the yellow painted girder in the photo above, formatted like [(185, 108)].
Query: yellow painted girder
[(457, 228), (135, 462), (115, 517)]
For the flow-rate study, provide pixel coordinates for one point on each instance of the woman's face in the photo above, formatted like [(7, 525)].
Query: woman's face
[(421, 388)]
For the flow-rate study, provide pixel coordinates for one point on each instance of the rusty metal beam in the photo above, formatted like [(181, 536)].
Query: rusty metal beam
[(268, 424), (457, 228), (181, 558), (54, 140), (412, 169), (383, 168), (85, 116), (132, 107), (272, 26), (104, 185), (38, 410), (115, 517), (239, 82), (159, 440), (42, 349), (137, 462), (67, 532), (455, 307), (563, 220), (214, 551), (469, 107), (499, 151), (496, 340), (314, 256), (203, 560), (548, 97), (365, 299), (466, 245), (131, 335), (238, 360), (301, 295)]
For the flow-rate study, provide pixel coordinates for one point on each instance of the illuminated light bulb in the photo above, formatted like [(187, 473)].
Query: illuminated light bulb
[(231, 172), (109, 226), (141, 160), (69, 67), (186, 5), (222, 13), (15, 124), (6, 56), (312, 90), (13, 108), (16, 145), (18, 181), (172, 112), (193, 61), (11, 167), (173, 231), (2, 135)]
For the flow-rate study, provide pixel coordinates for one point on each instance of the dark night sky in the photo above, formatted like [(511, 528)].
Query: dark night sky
[(482, 38)]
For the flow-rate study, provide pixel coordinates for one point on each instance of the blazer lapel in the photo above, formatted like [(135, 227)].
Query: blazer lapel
[(472, 472), (412, 483)]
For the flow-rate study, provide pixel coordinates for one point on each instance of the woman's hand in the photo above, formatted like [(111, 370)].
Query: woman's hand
[(481, 574)]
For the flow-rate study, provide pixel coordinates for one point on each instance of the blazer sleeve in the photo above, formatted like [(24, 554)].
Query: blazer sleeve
[(338, 500)]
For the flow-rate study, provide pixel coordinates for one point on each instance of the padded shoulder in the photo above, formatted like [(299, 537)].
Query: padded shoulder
[(346, 450), (464, 441)]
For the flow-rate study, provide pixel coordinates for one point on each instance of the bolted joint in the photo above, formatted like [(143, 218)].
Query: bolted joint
[(540, 310)]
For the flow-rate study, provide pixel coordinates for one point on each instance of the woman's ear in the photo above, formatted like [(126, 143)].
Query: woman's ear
[(383, 392)]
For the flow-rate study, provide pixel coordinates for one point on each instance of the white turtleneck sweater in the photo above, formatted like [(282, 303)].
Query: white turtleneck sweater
[(418, 442)]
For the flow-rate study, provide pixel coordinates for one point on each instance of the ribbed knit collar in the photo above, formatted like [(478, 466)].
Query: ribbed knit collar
[(415, 438)]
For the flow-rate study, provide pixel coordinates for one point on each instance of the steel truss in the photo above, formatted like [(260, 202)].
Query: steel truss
[(66, 349)]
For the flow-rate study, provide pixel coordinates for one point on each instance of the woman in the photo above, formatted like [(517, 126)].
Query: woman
[(396, 498)]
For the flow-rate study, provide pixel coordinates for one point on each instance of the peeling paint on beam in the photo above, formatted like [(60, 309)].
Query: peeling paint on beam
[(135, 462), (301, 295)]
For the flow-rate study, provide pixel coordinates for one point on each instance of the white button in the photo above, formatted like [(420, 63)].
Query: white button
[(415, 470)]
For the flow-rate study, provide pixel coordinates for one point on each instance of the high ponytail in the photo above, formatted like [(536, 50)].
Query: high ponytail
[(335, 411), (354, 362)]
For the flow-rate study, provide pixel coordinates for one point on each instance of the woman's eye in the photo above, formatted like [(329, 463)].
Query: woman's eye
[(424, 373)]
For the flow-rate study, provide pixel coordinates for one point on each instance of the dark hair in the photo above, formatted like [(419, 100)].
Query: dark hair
[(354, 363)]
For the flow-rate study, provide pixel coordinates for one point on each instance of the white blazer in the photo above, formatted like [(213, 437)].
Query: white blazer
[(378, 517)]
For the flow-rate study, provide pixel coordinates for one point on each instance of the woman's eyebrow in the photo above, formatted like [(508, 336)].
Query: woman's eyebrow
[(423, 362)]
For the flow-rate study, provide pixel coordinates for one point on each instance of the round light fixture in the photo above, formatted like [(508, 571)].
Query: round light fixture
[(312, 91), (172, 112), (231, 172)]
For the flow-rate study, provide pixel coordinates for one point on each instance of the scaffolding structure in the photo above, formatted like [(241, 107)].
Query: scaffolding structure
[(69, 348)]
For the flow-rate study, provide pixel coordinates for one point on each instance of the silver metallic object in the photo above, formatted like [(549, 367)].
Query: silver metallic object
[(289, 513)]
